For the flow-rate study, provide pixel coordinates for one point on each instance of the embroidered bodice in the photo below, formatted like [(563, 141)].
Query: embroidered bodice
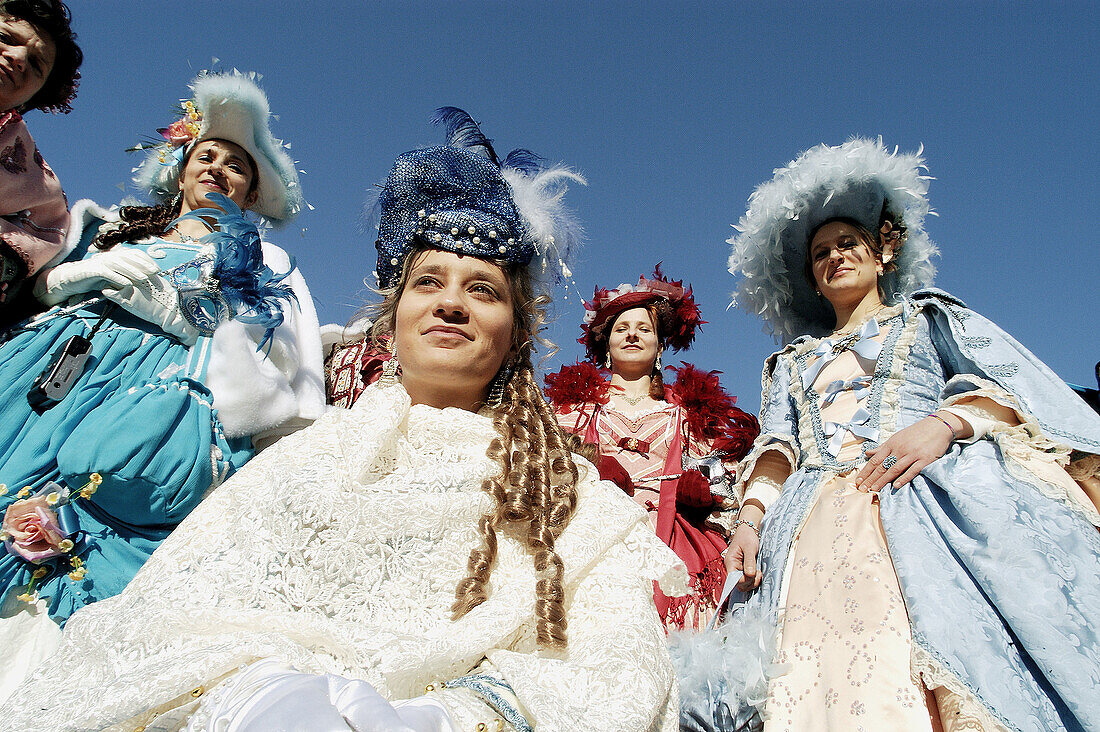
[(838, 386), (640, 442), (837, 379)]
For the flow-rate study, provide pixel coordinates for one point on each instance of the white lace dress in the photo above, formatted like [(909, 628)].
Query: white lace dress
[(338, 550)]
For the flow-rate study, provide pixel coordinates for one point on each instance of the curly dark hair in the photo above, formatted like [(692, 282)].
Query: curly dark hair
[(138, 222), (52, 18)]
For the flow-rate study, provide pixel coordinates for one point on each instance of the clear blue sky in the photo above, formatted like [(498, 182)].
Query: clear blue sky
[(673, 111)]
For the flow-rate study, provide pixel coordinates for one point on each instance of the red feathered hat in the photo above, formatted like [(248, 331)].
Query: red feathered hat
[(677, 326)]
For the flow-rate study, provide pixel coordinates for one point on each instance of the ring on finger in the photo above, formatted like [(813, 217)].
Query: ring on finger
[(890, 461)]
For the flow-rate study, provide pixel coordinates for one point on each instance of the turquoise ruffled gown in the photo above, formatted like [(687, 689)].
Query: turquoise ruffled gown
[(140, 416)]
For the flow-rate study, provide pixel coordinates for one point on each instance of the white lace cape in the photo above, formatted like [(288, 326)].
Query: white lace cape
[(338, 550)]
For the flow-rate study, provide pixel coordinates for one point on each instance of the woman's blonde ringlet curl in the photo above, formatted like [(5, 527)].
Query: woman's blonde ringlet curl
[(536, 489)]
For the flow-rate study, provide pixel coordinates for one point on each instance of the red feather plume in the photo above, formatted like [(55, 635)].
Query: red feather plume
[(686, 316), (711, 412), (575, 384)]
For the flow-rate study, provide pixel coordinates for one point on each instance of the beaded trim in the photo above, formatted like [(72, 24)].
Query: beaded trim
[(746, 522)]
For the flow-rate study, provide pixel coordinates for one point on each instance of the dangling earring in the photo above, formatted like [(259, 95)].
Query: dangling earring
[(607, 361), (657, 363), (496, 386), (389, 368)]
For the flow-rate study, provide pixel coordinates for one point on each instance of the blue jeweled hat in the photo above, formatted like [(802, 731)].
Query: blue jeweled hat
[(461, 198)]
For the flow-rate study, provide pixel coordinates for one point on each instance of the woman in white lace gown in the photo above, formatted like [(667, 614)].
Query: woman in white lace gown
[(431, 559)]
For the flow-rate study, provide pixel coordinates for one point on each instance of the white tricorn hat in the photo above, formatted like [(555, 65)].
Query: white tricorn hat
[(229, 107)]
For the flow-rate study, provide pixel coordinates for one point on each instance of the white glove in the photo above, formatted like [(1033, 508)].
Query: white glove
[(118, 268), (269, 696), (155, 300)]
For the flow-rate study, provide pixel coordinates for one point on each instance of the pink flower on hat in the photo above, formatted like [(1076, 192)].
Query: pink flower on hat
[(177, 133), (185, 129)]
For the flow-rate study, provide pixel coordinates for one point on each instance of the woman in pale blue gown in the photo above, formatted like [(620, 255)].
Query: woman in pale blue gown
[(925, 559)]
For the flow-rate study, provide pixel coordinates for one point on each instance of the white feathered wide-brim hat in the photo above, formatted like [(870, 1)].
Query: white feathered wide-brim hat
[(853, 180), (231, 107)]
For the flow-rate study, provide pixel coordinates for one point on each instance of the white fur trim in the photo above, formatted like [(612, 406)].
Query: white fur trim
[(333, 335), (83, 212), (255, 392)]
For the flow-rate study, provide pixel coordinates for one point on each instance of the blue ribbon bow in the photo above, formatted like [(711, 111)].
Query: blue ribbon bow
[(858, 426), (861, 386), (862, 343)]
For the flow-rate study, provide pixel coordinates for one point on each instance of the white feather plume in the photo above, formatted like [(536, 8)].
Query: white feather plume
[(735, 659), (556, 232)]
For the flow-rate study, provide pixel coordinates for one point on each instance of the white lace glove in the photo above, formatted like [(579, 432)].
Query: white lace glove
[(269, 696), (118, 268), (155, 300)]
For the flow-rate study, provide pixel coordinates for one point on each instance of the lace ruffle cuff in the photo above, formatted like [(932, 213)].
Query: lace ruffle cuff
[(761, 475)]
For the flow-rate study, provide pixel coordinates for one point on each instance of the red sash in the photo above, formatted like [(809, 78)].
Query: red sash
[(698, 545)]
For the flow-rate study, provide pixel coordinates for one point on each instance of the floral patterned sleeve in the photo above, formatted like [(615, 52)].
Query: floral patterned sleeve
[(34, 216)]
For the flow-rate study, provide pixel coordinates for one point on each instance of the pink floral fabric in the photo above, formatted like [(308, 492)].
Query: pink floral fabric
[(34, 215)]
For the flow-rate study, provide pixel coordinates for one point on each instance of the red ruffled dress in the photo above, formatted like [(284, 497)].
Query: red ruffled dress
[(656, 457)]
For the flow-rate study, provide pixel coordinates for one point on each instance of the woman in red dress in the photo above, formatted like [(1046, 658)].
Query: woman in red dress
[(666, 445)]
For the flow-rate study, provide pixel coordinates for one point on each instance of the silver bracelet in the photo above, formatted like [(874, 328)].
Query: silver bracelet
[(954, 435), (746, 522)]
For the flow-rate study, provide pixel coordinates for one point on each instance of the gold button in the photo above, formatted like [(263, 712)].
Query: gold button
[(481, 727), (429, 687), (197, 692)]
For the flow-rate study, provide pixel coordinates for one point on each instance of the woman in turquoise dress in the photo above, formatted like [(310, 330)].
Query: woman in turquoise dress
[(98, 471)]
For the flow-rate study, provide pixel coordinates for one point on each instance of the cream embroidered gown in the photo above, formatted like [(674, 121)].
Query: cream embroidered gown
[(845, 639), (338, 549)]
